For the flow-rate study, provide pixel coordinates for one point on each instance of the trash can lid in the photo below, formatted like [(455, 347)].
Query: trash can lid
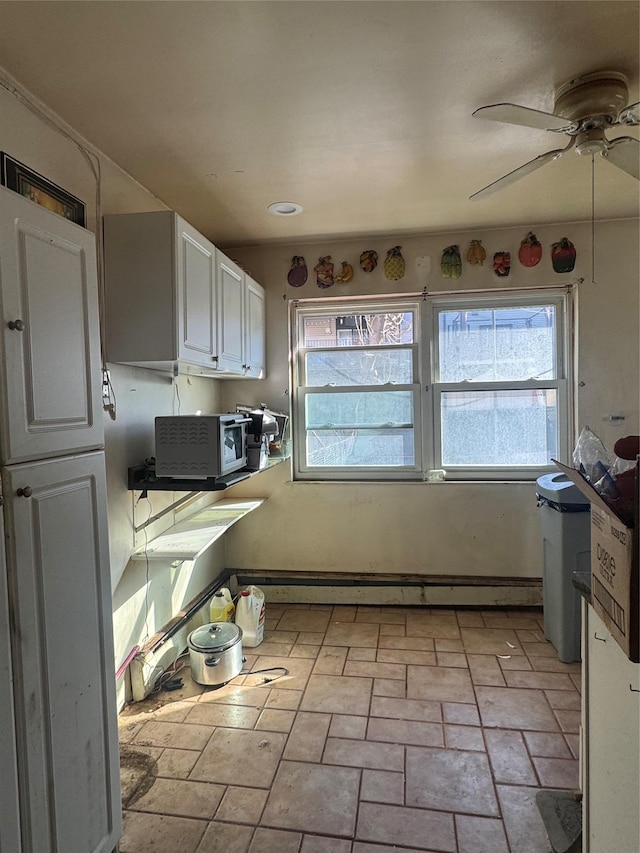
[(559, 488)]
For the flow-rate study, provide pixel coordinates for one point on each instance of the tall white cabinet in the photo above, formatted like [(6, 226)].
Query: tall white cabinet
[(58, 740)]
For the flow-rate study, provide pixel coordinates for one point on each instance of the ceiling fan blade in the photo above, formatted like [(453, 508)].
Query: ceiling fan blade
[(518, 173), (624, 152), (630, 115), (524, 116)]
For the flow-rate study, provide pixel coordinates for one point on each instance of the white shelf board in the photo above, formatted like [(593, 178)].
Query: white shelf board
[(189, 538)]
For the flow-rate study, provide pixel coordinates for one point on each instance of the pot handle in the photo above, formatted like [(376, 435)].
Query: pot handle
[(212, 661)]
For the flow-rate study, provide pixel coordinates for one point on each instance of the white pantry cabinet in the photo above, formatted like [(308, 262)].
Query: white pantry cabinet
[(174, 301), (241, 321), (58, 739)]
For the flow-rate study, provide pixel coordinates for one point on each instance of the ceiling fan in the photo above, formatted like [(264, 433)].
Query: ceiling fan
[(584, 108)]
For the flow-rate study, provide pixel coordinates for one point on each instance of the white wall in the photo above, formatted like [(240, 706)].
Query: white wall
[(480, 529), (143, 599)]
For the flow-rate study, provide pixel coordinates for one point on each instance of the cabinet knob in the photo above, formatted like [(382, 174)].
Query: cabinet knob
[(25, 492), (246, 366), (17, 325), (214, 358)]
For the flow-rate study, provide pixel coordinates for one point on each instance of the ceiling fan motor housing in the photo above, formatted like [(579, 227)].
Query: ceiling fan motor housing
[(601, 93)]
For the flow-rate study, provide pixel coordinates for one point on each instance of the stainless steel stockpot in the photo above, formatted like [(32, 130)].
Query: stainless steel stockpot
[(215, 653)]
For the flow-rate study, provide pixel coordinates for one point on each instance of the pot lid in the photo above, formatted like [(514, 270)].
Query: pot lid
[(216, 637)]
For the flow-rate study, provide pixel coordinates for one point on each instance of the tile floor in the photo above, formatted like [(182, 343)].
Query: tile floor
[(396, 729)]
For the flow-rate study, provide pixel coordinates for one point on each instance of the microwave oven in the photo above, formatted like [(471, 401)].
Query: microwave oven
[(200, 446)]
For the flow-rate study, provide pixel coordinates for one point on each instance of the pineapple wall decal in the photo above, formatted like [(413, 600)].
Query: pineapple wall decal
[(394, 264)]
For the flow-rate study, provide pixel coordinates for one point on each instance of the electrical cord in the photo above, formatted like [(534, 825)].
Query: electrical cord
[(285, 671)]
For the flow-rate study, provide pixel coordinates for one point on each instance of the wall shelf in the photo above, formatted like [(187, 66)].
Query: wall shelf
[(143, 478)]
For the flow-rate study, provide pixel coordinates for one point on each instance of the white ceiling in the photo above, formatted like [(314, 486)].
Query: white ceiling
[(359, 111)]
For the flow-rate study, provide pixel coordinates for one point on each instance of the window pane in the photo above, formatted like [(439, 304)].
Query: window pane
[(497, 344), (359, 410), (516, 428), (357, 330), (371, 447), (359, 367)]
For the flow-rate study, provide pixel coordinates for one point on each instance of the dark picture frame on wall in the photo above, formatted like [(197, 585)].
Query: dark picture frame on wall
[(19, 178)]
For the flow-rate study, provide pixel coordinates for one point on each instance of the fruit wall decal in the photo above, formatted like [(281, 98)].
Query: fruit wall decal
[(297, 275), (394, 264), (502, 264), (450, 263), (563, 256), (369, 260), (530, 251), (324, 272), (476, 253), (346, 274)]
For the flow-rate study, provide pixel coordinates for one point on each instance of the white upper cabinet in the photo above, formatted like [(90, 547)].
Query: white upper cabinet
[(172, 299), (49, 372), (254, 328), (160, 292)]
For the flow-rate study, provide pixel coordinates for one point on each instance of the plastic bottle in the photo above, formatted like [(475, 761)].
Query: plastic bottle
[(221, 607), (250, 616)]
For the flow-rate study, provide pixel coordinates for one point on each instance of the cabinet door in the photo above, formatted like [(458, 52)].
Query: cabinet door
[(195, 280), (66, 716), (50, 372), (230, 308), (612, 743), (9, 808), (254, 329)]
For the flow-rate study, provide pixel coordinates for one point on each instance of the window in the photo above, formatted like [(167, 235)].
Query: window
[(394, 389)]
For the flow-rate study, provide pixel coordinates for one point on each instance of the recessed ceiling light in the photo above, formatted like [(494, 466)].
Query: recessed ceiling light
[(285, 208)]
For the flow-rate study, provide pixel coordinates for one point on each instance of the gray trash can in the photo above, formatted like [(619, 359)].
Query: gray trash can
[(565, 516)]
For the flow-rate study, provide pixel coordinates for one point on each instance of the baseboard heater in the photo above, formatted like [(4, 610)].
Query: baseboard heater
[(161, 650)]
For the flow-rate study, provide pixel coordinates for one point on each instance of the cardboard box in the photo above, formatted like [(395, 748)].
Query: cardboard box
[(615, 570)]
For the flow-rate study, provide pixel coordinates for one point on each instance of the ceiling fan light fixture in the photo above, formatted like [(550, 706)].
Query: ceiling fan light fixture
[(285, 208)]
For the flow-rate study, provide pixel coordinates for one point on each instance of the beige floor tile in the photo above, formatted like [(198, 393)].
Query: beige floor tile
[(519, 662), (346, 725), (440, 684), (392, 630), (405, 731), (330, 660), (319, 844), (557, 772), (406, 709), (344, 613), (540, 680), (337, 694), (491, 641), (449, 646), (274, 646), (464, 737), (177, 735), (154, 833), (384, 615), (356, 653), (564, 700), (569, 721), (230, 716), (470, 619), (279, 636), (547, 745), (299, 670), (372, 669), (522, 822), (387, 687), (240, 757), (459, 714), (302, 651), (419, 644), (513, 708), (381, 786), (531, 636), (284, 700), (300, 620), (388, 824), (275, 720), (454, 659), (351, 634), (441, 625), (275, 841), (362, 753), (573, 742), (485, 669), (365, 847), (308, 736), (310, 638), (450, 780), (181, 798), (552, 664), (242, 805), (177, 763), (480, 835), (509, 758), (539, 650), (406, 656), (522, 621), (224, 838), (236, 694), (313, 798)]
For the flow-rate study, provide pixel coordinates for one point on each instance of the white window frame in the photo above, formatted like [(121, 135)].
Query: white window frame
[(427, 388)]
